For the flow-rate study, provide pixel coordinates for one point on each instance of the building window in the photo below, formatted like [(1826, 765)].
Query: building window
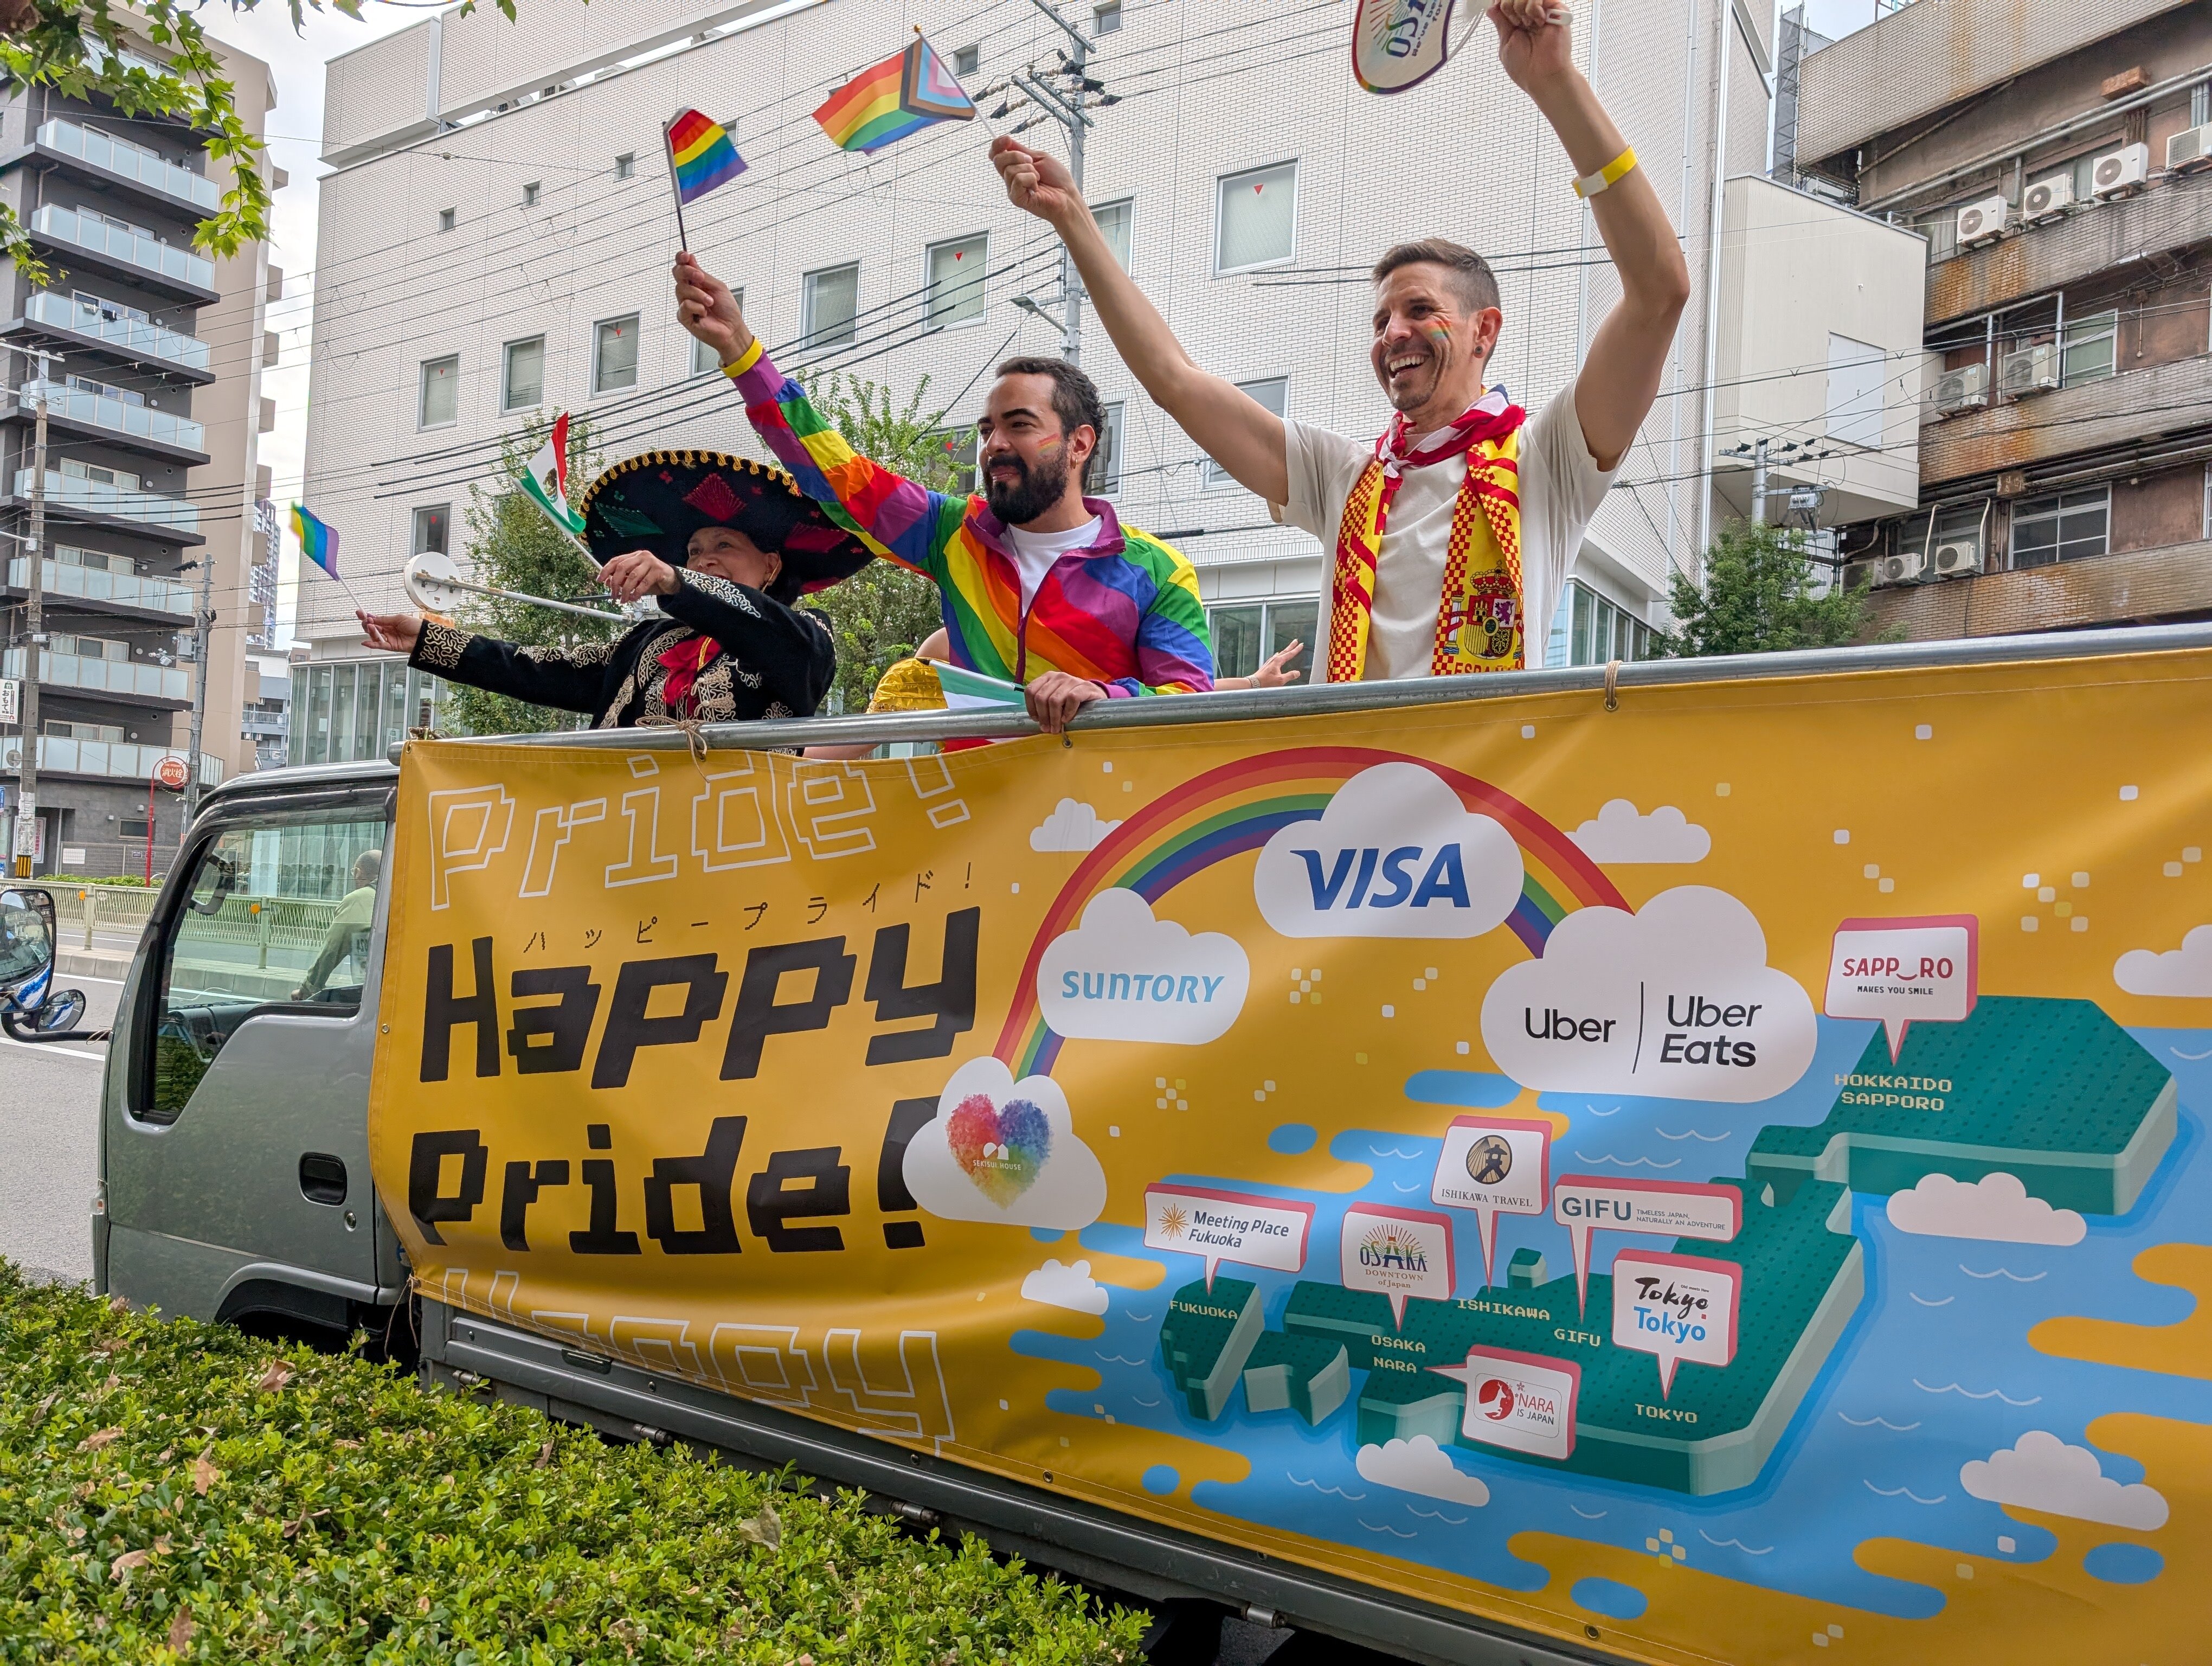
[(445, 219), (2092, 345), (530, 194), (1589, 629), (967, 60), (828, 301), (1115, 222), (704, 360), (430, 525), (1256, 221), (439, 399), (1272, 394), (77, 469), (1940, 228), (1106, 461), (1106, 18), (614, 355), (522, 374), (1246, 633), (956, 281), (1856, 374), (2064, 526), (958, 447), (626, 165)]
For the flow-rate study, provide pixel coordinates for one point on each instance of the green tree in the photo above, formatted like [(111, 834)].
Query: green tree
[(509, 544), (1758, 598), (883, 612)]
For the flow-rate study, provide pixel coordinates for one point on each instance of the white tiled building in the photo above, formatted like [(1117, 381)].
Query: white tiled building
[(496, 238)]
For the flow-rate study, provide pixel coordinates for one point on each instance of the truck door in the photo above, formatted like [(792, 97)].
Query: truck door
[(236, 1144)]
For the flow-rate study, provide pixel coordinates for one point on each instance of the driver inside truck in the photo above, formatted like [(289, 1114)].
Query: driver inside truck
[(348, 937)]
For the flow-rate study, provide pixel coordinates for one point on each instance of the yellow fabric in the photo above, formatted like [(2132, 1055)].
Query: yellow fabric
[(907, 685)]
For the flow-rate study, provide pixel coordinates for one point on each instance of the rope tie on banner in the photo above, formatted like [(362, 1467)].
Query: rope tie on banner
[(1612, 685), (424, 734), (695, 737)]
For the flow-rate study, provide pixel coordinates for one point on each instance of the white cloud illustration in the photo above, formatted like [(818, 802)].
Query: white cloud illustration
[(2041, 1472), (1072, 825), (1395, 855), (1420, 1465), (1996, 1207), (1619, 835), (1004, 1151), (1673, 1001), (1124, 975), (1071, 1287), (2186, 970)]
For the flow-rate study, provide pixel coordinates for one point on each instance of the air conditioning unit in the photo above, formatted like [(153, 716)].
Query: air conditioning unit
[(2046, 199), (1966, 388), (1901, 569), (1952, 559), (1859, 575), (1982, 221), (2189, 150), (2031, 370), (2118, 172)]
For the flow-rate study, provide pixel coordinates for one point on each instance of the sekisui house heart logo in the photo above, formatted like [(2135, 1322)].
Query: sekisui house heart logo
[(1002, 1148), (1004, 1151)]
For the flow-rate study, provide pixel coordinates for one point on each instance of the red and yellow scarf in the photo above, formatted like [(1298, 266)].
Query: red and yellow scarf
[(683, 662), (1480, 613)]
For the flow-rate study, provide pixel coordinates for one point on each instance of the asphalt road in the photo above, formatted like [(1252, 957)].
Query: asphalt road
[(49, 1142)]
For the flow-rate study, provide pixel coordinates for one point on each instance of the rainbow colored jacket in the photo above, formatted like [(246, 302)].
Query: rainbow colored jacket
[(1123, 613)]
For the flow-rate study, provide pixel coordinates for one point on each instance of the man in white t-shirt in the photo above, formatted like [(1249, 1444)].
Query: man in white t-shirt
[(1453, 533)]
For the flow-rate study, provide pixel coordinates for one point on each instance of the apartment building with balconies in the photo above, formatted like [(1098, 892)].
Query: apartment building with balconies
[(2058, 162), (153, 407)]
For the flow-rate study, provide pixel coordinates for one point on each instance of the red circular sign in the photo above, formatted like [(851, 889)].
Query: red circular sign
[(172, 772)]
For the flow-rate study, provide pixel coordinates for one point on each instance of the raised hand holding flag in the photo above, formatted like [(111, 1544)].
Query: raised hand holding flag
[(897, 97), (699, 158)]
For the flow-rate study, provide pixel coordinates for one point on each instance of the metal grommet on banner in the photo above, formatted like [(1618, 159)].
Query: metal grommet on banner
[(1612, 685)]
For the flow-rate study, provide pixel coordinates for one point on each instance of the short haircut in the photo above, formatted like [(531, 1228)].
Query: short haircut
[(367, 865), (1468, 273), (1075, 400)]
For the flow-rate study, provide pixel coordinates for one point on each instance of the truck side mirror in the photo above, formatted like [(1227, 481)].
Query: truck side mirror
[(31, 1008)]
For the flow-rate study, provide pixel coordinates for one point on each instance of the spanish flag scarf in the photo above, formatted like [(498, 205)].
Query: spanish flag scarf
[(1479, 614)]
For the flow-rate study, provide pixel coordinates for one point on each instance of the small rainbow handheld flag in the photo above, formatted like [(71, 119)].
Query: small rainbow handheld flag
[(318, 539), (899, 96), (700, 156)]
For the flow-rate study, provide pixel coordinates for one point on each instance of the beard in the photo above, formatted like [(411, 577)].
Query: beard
[(1039, 486)]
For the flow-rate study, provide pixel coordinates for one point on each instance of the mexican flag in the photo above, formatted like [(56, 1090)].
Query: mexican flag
[(545, 480)]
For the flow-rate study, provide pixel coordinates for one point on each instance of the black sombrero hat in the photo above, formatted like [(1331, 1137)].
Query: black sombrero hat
[(657, 501)]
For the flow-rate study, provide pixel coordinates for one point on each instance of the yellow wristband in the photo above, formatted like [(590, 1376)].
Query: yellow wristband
[(1590, 184), (745, 361)]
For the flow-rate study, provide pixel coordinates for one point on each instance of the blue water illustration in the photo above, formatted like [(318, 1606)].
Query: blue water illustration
[(1934, 1371)]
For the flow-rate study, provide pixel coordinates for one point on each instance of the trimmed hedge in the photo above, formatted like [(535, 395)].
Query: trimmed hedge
[(175, 1491)]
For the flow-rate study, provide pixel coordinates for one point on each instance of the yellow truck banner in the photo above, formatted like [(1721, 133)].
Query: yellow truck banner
[(1724, 1178)]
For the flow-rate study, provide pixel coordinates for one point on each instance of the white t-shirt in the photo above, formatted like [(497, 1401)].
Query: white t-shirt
[(1561, 487), (1035, 552)]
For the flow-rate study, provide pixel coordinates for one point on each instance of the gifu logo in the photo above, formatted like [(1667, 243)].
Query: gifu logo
[(1395, 855)]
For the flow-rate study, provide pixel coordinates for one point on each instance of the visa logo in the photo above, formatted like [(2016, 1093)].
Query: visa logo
[(1351, 876)]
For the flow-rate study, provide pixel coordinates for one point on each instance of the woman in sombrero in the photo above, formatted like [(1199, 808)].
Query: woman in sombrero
[(725, 546)]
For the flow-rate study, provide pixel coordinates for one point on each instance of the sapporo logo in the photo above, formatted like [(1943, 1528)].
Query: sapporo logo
[(1489, 1160), (1495, 1398), (1384, 1249), (1173, 1221)]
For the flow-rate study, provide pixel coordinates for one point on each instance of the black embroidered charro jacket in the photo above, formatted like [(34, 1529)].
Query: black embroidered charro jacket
[(777, 662)]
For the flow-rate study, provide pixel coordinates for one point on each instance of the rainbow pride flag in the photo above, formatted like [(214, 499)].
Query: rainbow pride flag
[(700, 155), (318, 539), (899, 96)]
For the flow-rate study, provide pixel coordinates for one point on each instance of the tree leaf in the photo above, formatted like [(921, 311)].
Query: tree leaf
[(278, 1374), (92, 1443), (128, 1560), (765, 1530), (180, 1631), (204, 1474)]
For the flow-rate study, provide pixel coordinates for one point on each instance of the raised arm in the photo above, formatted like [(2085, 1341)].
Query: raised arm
[(1620, 374), (893, 516), (1233, 429)]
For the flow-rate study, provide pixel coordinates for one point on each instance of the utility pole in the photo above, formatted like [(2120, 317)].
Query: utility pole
[(202, 625), (1066, 110), (1758, 483), (35, 556)]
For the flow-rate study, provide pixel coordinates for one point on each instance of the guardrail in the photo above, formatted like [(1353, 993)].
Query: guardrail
[(135, 161), (125, 589), (136, 337), (264, 922), (78, 404), (121, 243)]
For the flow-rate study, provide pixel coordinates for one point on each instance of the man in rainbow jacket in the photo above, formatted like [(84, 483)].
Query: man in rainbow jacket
[(1040, 585)]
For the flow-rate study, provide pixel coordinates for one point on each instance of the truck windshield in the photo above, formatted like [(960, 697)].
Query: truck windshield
[(280, 913)]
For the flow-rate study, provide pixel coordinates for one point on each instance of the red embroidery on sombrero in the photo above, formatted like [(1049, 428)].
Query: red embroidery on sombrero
[(713, 498), (684, 663)]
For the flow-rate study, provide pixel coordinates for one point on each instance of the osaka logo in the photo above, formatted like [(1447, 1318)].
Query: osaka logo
[(1383, 1248)]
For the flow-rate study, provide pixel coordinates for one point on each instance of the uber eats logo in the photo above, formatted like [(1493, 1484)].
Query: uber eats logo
[(1394, 854)]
